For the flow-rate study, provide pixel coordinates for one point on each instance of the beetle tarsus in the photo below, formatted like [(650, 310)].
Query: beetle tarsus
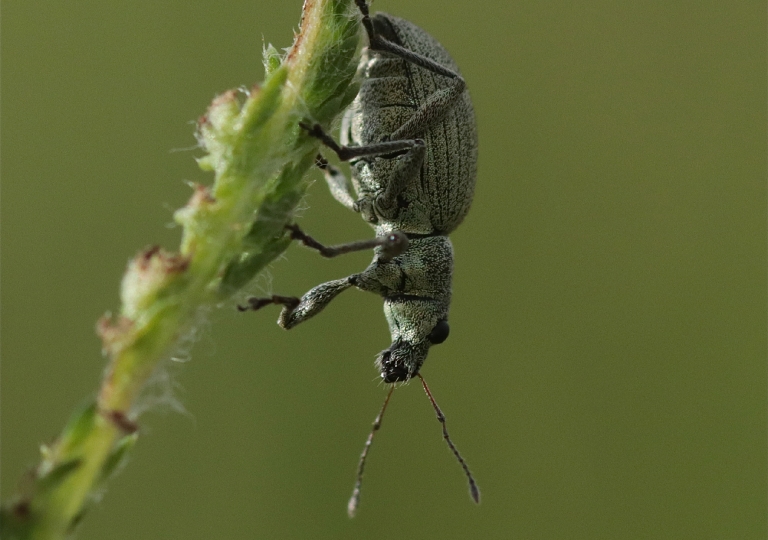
[(256, 303), (320, 162)]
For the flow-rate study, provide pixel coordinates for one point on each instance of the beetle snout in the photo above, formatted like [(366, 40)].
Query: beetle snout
[(392, 372), (401, 361)]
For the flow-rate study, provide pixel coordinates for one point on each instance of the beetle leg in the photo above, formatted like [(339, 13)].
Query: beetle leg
[(438, 103), (297, 310), (337, 182), (313, 302), (392, 244), (407, 169), (433, 110), (346, 153), (379, 43), (256, 303)]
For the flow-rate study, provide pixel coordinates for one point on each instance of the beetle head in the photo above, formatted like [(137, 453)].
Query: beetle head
[(401, 361)]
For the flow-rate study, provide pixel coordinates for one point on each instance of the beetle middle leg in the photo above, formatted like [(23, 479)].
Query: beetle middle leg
[(297, 310), (392, 244)]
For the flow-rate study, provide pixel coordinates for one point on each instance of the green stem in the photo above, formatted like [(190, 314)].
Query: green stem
[(231, 230)]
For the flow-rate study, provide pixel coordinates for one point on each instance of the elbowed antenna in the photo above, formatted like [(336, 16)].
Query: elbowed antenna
[(474, 492), (354, 500)]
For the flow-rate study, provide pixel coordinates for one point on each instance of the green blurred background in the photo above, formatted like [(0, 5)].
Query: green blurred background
[(606, 372)]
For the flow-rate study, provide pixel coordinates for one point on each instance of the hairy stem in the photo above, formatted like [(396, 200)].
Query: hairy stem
[(231, 230)]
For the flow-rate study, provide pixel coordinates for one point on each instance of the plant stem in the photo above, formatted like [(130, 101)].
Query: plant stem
[(231, 230)]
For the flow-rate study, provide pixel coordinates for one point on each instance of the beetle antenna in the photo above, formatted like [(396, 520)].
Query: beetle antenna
[(354, 500), (474, 492)]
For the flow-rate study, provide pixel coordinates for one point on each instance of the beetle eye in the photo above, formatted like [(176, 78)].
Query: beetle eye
[(440, 332)]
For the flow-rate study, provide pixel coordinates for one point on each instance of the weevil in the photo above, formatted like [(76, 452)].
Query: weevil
[(411, 142)]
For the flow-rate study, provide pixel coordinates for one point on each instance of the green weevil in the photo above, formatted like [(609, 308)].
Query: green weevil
[(411, 142)]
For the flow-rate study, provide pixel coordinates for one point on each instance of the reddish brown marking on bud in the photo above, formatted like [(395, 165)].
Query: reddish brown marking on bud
[(308, 5), (111, 330), (115, 334), (21, 509), (121, 420), (178, 263), (171, 262), (146, 256), (201, 196), (224, 98)]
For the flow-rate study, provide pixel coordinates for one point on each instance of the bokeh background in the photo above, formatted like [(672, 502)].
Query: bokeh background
[(606, 371)]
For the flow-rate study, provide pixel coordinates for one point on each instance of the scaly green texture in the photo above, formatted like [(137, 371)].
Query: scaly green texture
[(231, 230)]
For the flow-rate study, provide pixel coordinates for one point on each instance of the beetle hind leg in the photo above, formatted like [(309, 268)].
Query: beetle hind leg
[(438, 104), (380, 43)]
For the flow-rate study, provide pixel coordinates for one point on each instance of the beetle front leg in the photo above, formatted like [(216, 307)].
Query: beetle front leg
[(313, 302), (255, 303), (297, 310)]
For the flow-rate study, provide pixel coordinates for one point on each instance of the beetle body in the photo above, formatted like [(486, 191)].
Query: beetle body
[(411, 141)]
